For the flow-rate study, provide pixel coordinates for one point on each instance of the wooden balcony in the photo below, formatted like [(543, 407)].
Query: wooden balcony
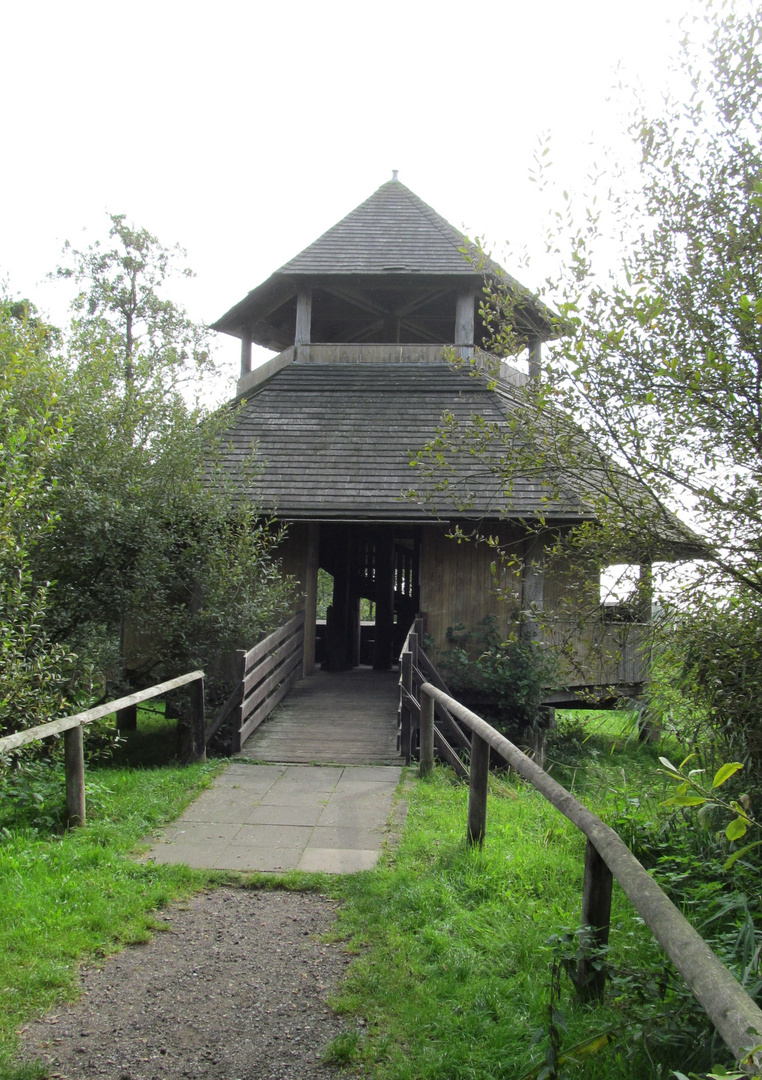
[(372, 353), (599, 660)]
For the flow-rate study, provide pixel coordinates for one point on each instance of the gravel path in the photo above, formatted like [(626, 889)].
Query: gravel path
[(235, 989)]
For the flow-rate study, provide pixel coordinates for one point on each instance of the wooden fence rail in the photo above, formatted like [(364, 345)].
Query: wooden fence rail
[(71, 728), (735, 1016)]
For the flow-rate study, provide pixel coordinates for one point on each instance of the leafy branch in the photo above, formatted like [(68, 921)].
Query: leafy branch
[(691, 792)]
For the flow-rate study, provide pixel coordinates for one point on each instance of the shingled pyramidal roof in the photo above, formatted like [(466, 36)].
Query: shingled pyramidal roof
[(393, 231), (391, 244), (337, 418)]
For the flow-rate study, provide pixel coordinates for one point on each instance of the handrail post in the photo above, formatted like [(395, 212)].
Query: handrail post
[(427, 734), (240, 672), (406, 724), (415, 690), (198, 722), (127, 719), (477, 790), (74, 767), (596, 913)]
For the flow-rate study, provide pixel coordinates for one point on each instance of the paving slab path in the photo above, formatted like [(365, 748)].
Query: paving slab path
[(274, 818)]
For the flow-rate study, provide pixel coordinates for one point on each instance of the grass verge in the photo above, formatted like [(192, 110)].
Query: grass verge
[(67, 896), (461, 953)]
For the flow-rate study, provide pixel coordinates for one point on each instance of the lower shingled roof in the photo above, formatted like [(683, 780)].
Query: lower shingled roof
[(335, 441)]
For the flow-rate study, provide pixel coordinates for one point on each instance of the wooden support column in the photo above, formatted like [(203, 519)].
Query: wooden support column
[(532, 585), (310, 597), (354, 629), (464, 323), (596, 913), (535, 357), (339, 633), (74, 767), (645, 593), (477, 790), (427, 735), (384, 630), (303, 317), (245, 350)]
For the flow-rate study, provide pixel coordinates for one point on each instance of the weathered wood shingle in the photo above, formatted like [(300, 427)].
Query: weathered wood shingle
[(393, 231), (335, 441)]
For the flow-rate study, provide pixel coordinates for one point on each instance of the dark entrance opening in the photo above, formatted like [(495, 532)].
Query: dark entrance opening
[(376, 563)]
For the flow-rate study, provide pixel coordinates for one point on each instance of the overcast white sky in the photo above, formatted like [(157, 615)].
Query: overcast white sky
[(244, 130)]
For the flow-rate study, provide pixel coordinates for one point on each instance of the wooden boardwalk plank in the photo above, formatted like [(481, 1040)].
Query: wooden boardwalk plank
[(346, 717)]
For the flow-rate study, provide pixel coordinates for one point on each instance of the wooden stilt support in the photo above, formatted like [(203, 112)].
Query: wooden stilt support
[(406, 725), (198, 722), (127, 719)]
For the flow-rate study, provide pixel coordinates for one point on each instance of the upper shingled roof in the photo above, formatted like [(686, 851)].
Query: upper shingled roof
[(393, 231)]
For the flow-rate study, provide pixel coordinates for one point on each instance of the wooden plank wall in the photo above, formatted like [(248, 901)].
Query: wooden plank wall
[(457, 583)]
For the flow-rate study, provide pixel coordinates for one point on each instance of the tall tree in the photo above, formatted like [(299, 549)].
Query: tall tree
[(651, 395), (154, 566), (35, 672)]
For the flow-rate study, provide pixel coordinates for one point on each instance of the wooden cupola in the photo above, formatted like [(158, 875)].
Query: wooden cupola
[(393, 271)]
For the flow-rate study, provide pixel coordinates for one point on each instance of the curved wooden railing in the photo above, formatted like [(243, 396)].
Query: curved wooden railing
[(71, 729), (735, 1016)]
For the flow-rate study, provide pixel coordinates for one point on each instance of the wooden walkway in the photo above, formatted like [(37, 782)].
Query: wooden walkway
[(346, 718)]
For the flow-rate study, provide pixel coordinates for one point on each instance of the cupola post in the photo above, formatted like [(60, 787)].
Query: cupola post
[(303, 316), (535, 357), (464, 322), (245, 350)]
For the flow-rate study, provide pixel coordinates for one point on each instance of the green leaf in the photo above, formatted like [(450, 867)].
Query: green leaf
[(741, 851), (725, 772), (735, 830), (685, 800)]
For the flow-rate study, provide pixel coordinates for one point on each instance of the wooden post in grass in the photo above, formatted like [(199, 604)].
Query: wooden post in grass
[(74, 767), (596, 913), (198, 721), (427, 734), (477, 791)]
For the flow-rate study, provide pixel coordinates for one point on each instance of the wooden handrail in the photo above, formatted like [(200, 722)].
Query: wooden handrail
[(415, 669), (56, 727), (267, 672), (735, 1016), (71, 728)]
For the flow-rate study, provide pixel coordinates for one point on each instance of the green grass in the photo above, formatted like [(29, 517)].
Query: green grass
[(70, 895), (452, 975), (453, 972)]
